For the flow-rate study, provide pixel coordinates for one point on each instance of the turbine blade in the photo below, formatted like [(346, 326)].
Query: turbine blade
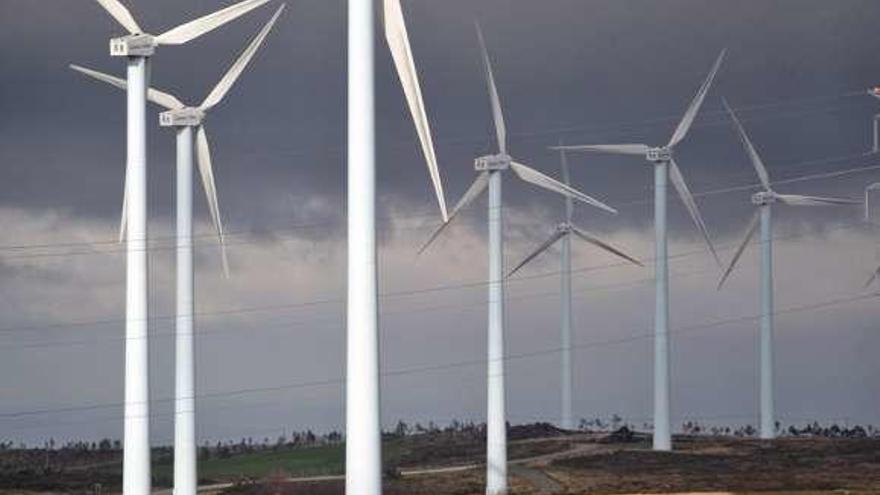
[(497, 114), (398, 42), (207, 172), (559, 234), (566, 178), (614, 149), (691, 113), (193, 29), (750, 149), (596, 241), (872, 278), (799, 200), (532, 176), (473, 192), (216, 95), (688, 199), (154, 95), (750, 232), (122, 15)]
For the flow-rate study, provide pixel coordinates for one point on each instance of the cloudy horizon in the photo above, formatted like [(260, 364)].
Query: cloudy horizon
[(270, 344)]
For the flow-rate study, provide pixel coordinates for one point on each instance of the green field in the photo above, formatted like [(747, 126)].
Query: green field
[(315, 461)]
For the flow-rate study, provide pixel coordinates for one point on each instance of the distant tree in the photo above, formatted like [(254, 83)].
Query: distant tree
[(402, 429)]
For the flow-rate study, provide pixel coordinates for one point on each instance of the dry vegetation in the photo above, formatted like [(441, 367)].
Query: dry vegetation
[(543, 460)]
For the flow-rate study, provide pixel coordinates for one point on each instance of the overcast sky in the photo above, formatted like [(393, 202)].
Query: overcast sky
[(271, 338)]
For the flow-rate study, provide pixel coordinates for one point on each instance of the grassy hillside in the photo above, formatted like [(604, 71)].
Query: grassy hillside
[(314, 461)]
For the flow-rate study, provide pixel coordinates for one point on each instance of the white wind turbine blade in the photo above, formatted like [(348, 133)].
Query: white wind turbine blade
[(569, 203), (207, 172), (497, 114), (559, 234), (614, 149), (193, 29), (532, 176), (598, 242), (154, 95), (750, 148), (688, 199), (750, 232), (799, 200), (691, 113), (122, 15), (872, 278), (477, 187), (216, 95), (398, 42)]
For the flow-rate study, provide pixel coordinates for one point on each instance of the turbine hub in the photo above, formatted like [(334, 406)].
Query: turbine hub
[(492, 162), (763, 198), (134, 45), (182, 117), (660, 155), (564, 227)]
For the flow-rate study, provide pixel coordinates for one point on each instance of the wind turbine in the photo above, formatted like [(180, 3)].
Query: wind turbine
[(875, 92), (665, 168), (563, 234), (764, 201), (137, 47), (868, 189), (185, 120), (871, 187), (489, 169), (363, 446)]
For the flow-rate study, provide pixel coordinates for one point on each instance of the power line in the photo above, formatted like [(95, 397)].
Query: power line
[(313, 322), (407, 292), (829, 303)]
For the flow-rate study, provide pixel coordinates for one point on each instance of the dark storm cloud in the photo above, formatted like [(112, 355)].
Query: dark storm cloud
[(573, 64)]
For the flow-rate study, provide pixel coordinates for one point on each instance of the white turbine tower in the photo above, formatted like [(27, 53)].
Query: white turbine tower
[(363, 446), (138, 47), (564, 233), (665, 168), (489, 170), (187, 120), (875, 148), (764, 201), (868, 190)]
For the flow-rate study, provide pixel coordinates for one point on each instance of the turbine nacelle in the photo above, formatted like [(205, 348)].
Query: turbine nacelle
[(564, 228), (182, 117), (763, 198), (492, 162), (133, 45), (662, 154)]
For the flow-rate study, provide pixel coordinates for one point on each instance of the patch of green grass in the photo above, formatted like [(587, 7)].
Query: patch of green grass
[(315, 461)]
